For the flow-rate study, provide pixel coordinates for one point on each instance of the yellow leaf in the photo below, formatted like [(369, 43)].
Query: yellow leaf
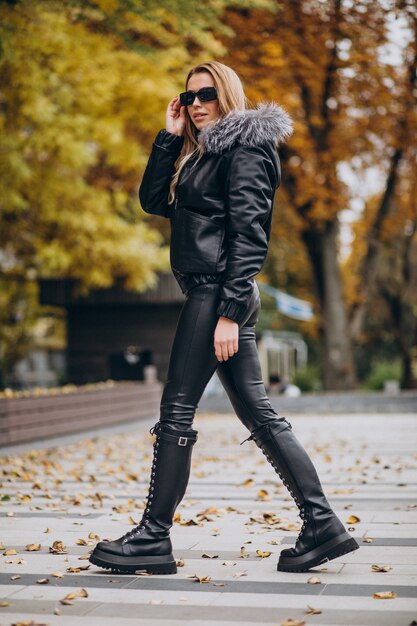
[(385, 595), (93, 536), (58, 547), (381, 568), (248, 482), (74, 570), (263, 495), (263, 555), (33, 547), (353, 519)]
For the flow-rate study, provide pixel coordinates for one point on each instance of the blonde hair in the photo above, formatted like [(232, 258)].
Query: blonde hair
[(231, 96)]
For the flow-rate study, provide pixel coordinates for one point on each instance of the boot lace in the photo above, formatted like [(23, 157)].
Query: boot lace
[(134, 532), (301, 507)]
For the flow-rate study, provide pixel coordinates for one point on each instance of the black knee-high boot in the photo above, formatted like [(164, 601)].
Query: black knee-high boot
[(323, 536), (148, 546)]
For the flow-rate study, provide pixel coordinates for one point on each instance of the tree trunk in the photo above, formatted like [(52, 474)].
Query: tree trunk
[(339, 368)]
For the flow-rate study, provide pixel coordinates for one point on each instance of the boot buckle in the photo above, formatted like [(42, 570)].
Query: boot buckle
[(182, 441)]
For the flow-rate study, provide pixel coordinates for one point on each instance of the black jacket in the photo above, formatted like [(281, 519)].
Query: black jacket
[(221, 217)]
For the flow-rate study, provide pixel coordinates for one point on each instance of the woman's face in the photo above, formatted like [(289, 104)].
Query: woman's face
[(202, 113)]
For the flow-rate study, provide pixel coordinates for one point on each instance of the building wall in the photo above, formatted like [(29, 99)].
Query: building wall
[(95, 332)]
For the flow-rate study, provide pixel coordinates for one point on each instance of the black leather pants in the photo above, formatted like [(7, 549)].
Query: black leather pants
[(193, 363)]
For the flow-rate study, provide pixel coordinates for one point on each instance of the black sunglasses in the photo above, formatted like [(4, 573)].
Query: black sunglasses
[(205, 94)]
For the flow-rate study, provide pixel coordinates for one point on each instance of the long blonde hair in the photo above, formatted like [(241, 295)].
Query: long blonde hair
[(231, 96)]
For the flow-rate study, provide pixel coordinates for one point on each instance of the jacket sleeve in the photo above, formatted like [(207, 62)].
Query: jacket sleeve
[(154, 188), (250, 185)]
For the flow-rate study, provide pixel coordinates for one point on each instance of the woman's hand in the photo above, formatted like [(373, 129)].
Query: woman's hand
[(226, 338), (175, 117)]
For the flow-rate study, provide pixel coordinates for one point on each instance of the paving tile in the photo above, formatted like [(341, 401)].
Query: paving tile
[(372, 463)]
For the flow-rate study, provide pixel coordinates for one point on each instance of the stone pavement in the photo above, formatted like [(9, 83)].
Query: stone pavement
[(230, 528)]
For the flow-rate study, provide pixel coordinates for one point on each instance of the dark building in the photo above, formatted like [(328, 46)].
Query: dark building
[(112, 333)]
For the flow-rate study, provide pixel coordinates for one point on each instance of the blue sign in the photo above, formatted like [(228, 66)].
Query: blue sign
[(289, 305)]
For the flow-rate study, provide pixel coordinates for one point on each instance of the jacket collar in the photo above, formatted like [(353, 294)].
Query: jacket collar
[(250, 127)]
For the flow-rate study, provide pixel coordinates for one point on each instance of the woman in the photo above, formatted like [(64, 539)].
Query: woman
[(213, 172)]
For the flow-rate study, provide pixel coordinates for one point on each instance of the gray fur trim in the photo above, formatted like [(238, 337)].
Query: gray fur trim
[(251, 127)]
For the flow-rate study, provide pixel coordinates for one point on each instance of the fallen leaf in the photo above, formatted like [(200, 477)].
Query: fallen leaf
[(292, 622), (93, 536), (263, 495), (263, 555), (9, 552), (239, 574), (367, 539), (4, 603), (33, 547), (209, 556), (200, 579), (42, 581), (80, 568), (58, 547), (312, 611), (353, 519), (243, 553), (314, 580), (15, 577), (82, 593), (82, 542), (57, 574), (180, 563), (385, 595), (381, 568), (191, 522)]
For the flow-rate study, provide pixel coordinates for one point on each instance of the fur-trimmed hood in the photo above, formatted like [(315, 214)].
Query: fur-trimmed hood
[(250, 127)]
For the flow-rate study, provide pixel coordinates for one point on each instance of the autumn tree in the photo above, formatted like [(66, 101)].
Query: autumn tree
[(383, 264), (80, 102), (322, 61)]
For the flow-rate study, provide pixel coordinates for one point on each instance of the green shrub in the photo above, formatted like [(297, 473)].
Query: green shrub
[(308, 379), (382, 371)]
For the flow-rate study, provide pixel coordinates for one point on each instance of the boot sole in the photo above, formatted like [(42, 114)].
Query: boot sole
[(343, 544), (130, 564)]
